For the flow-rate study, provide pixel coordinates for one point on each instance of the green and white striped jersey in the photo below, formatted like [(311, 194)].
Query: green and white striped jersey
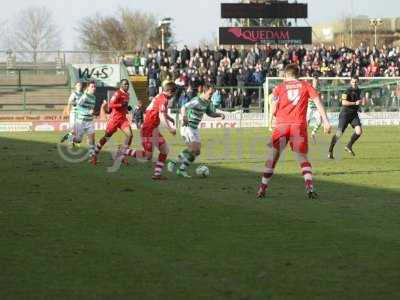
[(73, 99), (311, 105), (84, 108), (196, 108)]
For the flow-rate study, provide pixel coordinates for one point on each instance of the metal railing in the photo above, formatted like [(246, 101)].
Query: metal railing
[(232, 98), (15, 58), (20, 77), (30, 98)]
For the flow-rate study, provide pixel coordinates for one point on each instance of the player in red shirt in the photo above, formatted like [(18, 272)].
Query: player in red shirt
[(119, 106), (156, 112), (289, 106)]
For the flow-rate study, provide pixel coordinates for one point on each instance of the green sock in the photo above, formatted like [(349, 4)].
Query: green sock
[(316, 127), (182, 156), (187, 159)]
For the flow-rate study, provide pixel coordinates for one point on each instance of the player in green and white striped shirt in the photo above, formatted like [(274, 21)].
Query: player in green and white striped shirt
[(72, 102), (84, 114), (313, 115), (192, 113)]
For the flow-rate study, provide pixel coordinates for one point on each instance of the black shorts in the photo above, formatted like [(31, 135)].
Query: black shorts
[(346, 118)]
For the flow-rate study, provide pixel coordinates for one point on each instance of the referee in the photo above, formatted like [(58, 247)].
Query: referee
[(351, 102)]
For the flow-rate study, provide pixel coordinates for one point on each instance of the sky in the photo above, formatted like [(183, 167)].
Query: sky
[(194, 20)]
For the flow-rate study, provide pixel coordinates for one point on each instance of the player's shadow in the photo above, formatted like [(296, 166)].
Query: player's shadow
[(72, 230)]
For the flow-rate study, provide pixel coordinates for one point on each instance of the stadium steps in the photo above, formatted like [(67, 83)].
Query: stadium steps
[(34, 87), (58, 79), (36, 98), (141, 86), (11, 79)]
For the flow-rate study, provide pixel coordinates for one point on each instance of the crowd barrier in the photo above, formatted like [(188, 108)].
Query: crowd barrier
[(237, 119)]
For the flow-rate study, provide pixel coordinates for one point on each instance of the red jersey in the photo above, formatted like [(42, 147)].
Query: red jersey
[(119, 104), (372, 70), (292, 99), (152, 115)]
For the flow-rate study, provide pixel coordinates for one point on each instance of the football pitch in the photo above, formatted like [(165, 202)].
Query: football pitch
[(75, 231)]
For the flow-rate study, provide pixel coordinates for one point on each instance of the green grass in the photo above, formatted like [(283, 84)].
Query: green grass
[(74, 231)]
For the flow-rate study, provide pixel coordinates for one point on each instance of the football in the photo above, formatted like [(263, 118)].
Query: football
[(203, 171)]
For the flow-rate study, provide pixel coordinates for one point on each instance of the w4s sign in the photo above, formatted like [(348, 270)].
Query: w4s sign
[(108, 75)]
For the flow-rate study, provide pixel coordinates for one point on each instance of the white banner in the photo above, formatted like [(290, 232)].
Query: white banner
[(232, 120), (254, 120), (235, 120), (372, 118), (380, 118), (16, 127), (104, 75)]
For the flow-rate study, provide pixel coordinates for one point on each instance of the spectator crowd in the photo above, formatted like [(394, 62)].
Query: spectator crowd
[(242, 67)]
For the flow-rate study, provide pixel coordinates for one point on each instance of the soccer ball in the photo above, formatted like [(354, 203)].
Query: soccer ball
[(203, 171)]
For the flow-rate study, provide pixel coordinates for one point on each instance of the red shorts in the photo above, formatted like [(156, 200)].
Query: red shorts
[(151, 137), (114, 124), (296, 135)]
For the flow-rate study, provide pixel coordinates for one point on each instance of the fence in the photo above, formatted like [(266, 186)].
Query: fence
[(382, 93), (59, 58), (33, 77), (33, 98), (230, 98), (22, 89), (34, 88)]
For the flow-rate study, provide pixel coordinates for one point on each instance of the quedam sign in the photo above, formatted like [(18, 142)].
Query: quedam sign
[(265, 35)]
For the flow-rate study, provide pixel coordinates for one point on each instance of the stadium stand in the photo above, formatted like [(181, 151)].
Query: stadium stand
[(269, 60), (35, 88), (237, 72), (33, 98), (46, 88), (244, 69)]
